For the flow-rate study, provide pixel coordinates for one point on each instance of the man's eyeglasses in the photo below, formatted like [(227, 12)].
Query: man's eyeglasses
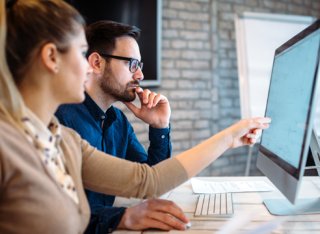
[(134, 64)]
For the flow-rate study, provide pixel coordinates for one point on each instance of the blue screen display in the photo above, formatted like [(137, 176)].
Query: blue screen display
[(289, 98)]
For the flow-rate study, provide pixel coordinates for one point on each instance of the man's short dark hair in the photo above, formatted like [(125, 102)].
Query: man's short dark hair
[(102, 35)]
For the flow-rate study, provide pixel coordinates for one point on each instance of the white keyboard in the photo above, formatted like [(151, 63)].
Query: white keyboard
[(217, 205)]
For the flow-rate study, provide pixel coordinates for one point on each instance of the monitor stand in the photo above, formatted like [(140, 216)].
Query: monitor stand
[(301, 206), (284, 207), (315, 151)]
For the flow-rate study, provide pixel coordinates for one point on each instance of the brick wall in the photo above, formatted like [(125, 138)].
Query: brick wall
[(199, 71)]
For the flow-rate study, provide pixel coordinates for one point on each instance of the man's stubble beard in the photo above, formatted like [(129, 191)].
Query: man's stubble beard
[(114, 89)]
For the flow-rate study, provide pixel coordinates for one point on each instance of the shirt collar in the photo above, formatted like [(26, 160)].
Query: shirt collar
[(96, 111), (48, 136)]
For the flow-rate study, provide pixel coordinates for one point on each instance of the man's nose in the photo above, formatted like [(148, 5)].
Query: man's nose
[(138, 75)]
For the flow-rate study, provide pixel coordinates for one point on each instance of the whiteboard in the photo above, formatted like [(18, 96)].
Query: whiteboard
[(258, 35)]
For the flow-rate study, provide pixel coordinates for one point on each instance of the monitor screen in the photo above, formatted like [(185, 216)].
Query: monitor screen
[(291, 105), (289, 101)]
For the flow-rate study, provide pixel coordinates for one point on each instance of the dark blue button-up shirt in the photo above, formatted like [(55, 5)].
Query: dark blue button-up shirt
[(112, 133)]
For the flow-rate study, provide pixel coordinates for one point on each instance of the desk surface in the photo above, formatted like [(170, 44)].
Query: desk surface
[(244, 204)]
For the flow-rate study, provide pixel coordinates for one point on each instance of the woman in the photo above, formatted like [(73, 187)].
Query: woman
[(44, 166)]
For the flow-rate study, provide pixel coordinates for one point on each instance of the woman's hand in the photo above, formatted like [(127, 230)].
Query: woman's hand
[(247, 131)]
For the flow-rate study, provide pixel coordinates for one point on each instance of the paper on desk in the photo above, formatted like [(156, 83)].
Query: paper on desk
[(204, 186)]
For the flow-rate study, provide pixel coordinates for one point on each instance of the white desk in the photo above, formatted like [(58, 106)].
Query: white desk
[(243, 203)]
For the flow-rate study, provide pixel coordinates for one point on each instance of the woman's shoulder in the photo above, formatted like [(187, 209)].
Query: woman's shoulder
[(67, 132), (71, 139), (14, 145), (9, 131)]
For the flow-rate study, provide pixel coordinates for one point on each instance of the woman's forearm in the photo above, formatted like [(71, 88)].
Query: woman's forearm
[(242, 133)]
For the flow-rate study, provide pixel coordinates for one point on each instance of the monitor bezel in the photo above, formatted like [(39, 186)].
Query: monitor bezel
[(283, 175)]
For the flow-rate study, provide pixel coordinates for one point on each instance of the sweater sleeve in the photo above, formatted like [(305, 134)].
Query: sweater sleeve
[(114, 176)]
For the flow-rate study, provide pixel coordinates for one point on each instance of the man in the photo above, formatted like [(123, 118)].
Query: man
[(116, 72)]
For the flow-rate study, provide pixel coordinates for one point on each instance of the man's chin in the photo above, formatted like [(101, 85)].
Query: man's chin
[(128, 98)]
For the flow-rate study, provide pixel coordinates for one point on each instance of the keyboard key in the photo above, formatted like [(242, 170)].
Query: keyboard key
[(205, 205), (211, 204), (217, 204), (199, 206), (223, 204), (229, 203)]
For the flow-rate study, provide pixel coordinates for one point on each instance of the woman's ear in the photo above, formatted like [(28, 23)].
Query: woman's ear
[(50, 57), (95, 62)]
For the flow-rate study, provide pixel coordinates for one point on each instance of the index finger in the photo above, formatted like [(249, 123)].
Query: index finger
[(260, 122), (263, 120), (139, 91)]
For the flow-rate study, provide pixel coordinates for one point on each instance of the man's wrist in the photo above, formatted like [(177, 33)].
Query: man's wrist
[(115, 221), (122, 223), (160, 126)]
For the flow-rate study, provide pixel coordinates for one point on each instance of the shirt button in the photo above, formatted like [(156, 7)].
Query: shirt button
[(163, 136)]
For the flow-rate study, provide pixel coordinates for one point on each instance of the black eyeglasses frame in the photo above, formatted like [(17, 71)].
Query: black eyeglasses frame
[(131, 61)]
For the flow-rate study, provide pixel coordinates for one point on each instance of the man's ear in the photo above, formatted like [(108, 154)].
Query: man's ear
[(50, 57), (96, 63)]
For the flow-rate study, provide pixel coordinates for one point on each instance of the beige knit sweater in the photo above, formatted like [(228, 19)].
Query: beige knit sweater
[(31, 201)]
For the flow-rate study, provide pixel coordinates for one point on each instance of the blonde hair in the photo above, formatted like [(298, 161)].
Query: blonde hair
[(10, 99)]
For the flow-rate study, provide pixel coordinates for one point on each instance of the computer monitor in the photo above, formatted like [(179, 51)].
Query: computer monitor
[(291, 104)]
